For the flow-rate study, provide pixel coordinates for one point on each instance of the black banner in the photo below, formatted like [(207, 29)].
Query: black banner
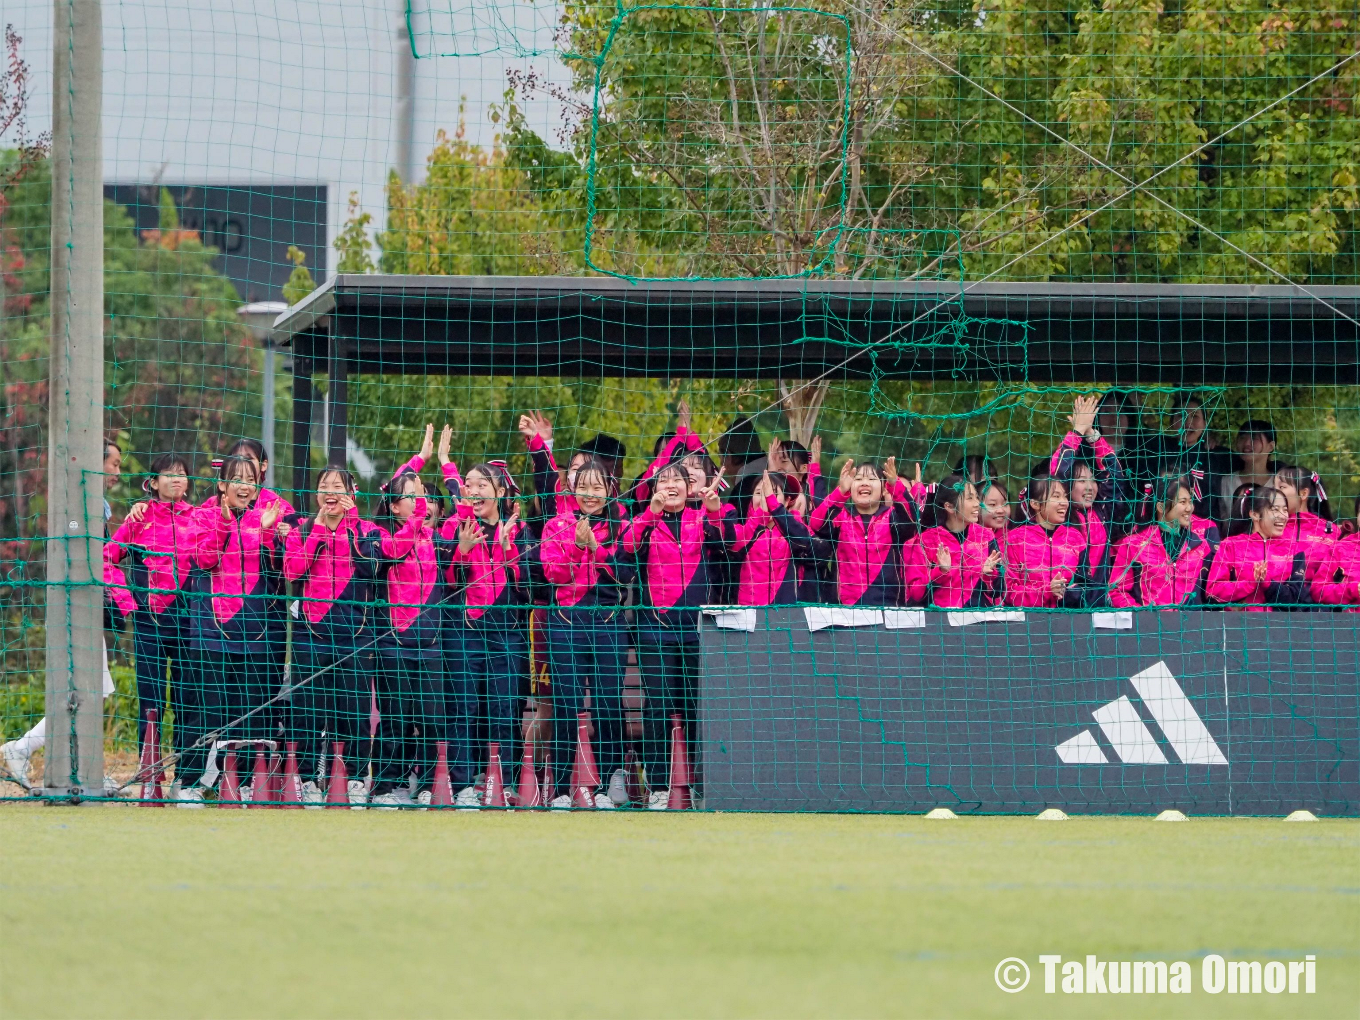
[(1206, 712)]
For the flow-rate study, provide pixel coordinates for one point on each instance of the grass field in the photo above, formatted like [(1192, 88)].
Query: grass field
[(120, 911)]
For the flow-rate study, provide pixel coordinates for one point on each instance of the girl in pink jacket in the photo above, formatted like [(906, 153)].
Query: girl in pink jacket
[(1337, 583), (1087, 464), (1264, 568), (678, 548), (584, 563), (959, 558), (1165, 563), (1046, 558), (773, 548), (154, 546), (238, 622), (869, 525), (1309, 523)]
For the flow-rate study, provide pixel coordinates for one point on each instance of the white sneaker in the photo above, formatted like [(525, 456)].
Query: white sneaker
[(190, 798), (358, 794), (17, 761), (246, 792), (603, 802), (618, 788), (311, 795), (422, 801), (561, 803), (467, 798), (658, 800), (383, 802)]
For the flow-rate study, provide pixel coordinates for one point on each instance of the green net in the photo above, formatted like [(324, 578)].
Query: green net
[(1075, 288)]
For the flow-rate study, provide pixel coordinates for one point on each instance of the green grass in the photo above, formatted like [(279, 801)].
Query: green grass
[(121, 911)]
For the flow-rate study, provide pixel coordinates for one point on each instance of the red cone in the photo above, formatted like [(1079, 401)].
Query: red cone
[(291, 794), (150, 772), (259, 779), (494, 795), (585, 776), (441, 790), (545, 788), (528, 795), (337, 787), (229, 789), (680, 777)]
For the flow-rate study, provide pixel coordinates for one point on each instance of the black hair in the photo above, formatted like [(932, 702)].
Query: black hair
[(1041, 487), (605, 447), (253, 447), (392, 492), (230, 465), (661, 441), (975, 467), (1301, 478), (671, 467), (1121, 401), (164, 464), (111, 444), (1257, 427), (946, 496), (597, 467), (1166, 489), (342, 472), (740, 441), (799, 454), (1239, 509), (1184, 398), (779, 480), (1261, 499)]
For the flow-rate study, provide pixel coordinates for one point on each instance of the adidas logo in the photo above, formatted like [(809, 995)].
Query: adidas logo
[(1133, 743)]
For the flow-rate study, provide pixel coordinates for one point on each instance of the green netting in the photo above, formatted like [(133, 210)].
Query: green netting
[(920, 237)]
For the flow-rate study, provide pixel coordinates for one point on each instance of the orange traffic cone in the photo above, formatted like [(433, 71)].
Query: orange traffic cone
[(337, 787), (291, 794), (585, 776), (441, 790), (680, 777), (229, 789), (259, 779), (150, 772), (528, 795), (494, 794)]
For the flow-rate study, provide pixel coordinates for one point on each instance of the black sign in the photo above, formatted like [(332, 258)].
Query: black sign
[(251, 227), (1205, 712)]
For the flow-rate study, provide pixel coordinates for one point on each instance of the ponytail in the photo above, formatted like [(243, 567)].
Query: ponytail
[(1300, 478), (944, 497)]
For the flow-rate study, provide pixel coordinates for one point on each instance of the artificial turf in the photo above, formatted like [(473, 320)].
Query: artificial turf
[(122, 911)]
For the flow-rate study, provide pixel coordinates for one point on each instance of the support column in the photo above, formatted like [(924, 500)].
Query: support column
[(303, 367), (337, 396), (74, 761)]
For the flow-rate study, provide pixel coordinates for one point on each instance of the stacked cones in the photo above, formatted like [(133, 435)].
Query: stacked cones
[(291, 794), (680, 776), (494, 794), (528, 795), (441, 791), (337, 786), (585, 776), (150, 773), (229, 787)]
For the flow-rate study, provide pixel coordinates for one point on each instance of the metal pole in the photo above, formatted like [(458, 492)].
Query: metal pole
[(267, 410), (75, 491), (405, 112)]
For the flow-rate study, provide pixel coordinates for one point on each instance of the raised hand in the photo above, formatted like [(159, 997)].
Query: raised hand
[(283, 530), (943, 558), (890, 474), (224, 508), (683, 417), (709, 494), (657, 504), (990, 564), (271, 515), (847, 476), (508, 529), (585, 534), (916, 481), (1260, 572), (346, 504), (815, 450), (470, 535), (427, 444), (1083, 414), (136, 512), (445, 442)]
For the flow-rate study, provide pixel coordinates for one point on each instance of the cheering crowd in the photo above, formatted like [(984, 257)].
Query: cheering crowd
[(391, 636)]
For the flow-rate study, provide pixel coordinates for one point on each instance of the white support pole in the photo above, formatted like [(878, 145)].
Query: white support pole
[(74, 761)]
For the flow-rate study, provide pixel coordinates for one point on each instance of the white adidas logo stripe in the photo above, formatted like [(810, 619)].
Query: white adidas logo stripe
[(1132, 741)]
